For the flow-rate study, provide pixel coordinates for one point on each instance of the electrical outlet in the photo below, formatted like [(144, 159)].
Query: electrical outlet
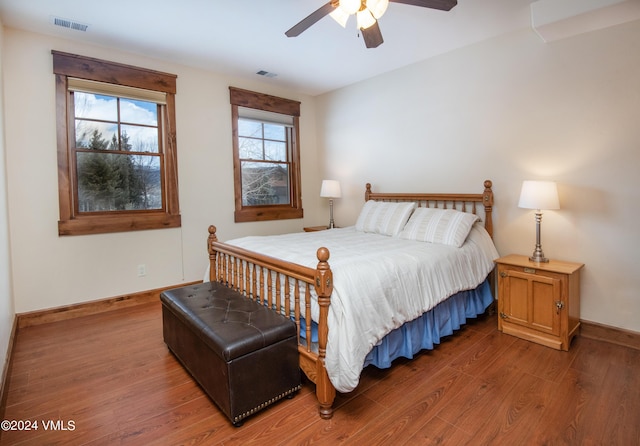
[(142, 270)]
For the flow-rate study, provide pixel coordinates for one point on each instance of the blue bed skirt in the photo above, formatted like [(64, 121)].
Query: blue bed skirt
[(427, 330)]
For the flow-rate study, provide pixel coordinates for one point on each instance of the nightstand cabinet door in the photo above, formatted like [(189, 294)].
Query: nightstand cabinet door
[(539, 302), (531, 300)]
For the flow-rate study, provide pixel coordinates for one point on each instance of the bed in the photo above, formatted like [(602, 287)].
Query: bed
[(411, 270)]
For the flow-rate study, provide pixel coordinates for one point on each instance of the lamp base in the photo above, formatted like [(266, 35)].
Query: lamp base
[(538, 255), (538, 259), (331, 223)]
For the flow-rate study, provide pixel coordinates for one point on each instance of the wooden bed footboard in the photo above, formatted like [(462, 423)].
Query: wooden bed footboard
[(286, 288)]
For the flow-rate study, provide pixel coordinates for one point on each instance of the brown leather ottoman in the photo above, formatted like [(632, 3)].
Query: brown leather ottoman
[(243, 354)]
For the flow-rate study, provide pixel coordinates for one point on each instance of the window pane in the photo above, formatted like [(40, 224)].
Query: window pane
[(96, 135), (139, 139), (148, 192), (117, 182), (250, 148), (275, 151), (264, 183), (138, 112), (274, 131), (249, 128), (95, 106)]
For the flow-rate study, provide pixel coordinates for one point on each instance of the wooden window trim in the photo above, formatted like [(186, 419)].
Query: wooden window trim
[(260, 101), (71, 223)]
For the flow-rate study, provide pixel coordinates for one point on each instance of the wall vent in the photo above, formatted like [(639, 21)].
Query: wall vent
[(71, 24)]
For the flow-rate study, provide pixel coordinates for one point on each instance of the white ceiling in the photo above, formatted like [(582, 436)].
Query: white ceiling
[(241, 37)]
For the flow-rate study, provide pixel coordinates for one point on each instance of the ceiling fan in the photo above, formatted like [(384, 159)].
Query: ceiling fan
[(367, 14)]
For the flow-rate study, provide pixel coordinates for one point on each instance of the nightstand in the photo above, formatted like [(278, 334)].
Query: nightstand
[(539, 302), (315, 228)]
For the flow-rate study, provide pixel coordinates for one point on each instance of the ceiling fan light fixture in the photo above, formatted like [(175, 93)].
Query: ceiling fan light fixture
[(340, 16), (367, 14), (377, 7), (365, 19), (350, 6)]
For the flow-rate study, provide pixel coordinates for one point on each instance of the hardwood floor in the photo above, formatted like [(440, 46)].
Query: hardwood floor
[(109, 379)]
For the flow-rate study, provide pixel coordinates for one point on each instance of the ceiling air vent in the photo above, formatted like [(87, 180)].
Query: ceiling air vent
[(266, 73), (71, 24)]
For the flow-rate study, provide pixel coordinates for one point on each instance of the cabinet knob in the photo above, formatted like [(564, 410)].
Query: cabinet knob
[(559, 306), (503, 315), (503, 274)]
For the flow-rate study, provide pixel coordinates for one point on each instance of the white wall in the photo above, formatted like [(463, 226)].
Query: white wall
[(510, 109), (51, 271), (7, 312)]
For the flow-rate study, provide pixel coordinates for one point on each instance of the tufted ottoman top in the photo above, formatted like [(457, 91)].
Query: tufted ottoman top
[(231, 324)]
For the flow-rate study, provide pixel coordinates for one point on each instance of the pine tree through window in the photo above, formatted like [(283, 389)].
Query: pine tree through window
[(117, 153)]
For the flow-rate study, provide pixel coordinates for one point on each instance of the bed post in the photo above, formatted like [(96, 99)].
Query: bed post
[(487, 202), (325, 392), (367, 192), (213, 267)]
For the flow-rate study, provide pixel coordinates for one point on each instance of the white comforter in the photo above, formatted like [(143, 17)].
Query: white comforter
[(380, 282)]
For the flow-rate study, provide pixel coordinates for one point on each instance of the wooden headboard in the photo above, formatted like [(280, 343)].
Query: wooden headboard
[(461, 202)]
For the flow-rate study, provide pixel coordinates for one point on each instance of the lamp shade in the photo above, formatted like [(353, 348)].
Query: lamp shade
[(377, 7), (364, 19), (330, 189), (539, 195), (340, 16), (350, 6)]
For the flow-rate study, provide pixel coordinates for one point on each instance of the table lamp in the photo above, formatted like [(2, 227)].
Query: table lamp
[(330, 189), (539, 195)]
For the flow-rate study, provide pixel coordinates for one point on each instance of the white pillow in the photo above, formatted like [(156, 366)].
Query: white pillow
[(384, 217), (444, 226)]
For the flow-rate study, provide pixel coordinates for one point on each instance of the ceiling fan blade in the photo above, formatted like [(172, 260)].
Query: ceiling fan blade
[(311, 19), (372, 36), (443, 5)]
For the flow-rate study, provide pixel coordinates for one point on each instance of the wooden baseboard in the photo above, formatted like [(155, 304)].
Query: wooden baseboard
[(6, 371), (86, 308), (614, 335)]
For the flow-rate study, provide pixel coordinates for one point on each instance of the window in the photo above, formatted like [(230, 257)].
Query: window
[(116, 147), (266, 156)]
